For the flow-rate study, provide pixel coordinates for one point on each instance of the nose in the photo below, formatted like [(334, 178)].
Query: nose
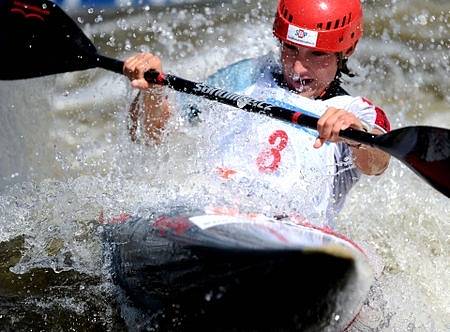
[(299, 66)]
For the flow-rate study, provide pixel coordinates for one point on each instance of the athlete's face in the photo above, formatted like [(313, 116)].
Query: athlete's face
[(307, 71)]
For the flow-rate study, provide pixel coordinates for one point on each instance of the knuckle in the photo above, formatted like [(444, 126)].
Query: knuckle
[(332, 109), (327, 125)]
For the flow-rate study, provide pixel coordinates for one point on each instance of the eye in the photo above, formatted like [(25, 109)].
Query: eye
[(289, 47), (319, 53)]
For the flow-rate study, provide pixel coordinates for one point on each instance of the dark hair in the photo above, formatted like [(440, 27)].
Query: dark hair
[(343, 68)]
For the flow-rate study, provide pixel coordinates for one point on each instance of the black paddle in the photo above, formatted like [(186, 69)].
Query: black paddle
[(37, 38)]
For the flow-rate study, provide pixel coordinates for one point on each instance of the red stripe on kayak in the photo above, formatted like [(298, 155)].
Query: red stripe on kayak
[(279, 236), (178, 225), (353, 320), (29, 11)]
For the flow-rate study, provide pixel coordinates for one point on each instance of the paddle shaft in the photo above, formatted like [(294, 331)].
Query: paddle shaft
[(228, 98), (110, 64)]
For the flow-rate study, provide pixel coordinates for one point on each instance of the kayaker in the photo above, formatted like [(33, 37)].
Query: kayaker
[(316, 38)]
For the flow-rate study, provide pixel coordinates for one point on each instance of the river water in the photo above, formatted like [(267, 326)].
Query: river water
[(67, 161)]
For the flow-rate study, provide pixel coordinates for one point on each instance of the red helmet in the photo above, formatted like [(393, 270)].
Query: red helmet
[(324, 25)]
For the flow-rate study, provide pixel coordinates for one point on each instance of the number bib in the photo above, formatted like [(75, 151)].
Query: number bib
[(256, 159)]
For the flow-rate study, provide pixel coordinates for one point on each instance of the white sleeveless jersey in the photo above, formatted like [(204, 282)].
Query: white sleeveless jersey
[(278, 157)]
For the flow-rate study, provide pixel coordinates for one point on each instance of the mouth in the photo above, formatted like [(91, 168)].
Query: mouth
[(301, 84)]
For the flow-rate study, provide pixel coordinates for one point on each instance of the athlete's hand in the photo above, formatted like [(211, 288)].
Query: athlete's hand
[(135, 67), (332, 122)]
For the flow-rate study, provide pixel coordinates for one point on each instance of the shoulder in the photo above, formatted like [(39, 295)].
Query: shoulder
[(240, 75), (237, 76), (363, 108), (381, 120)]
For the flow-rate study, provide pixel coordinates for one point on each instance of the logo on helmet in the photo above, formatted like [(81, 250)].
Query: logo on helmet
[(302, 36), (301, 33)]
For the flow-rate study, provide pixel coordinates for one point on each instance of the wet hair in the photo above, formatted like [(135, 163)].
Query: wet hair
[(343, 68)]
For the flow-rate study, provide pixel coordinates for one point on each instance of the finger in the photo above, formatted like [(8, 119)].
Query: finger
[(131, 62), (352, 121), (340, 124), (327, 123), (319, 142), (138, 69), (130, 59), (130, 68), (147, 65), (145, 55), (136, 66), (332, 135), (323, 119), (154, 63), (140, 84), (342, 121), (148, 58)]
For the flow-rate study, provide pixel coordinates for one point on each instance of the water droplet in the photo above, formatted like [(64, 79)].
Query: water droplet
[(90, 10), (208, 296), (111, 42), (122, 24), (422, 19), (98, 19)]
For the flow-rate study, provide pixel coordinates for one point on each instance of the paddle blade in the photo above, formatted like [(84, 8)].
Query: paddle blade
[(426, 150), (37, 38)]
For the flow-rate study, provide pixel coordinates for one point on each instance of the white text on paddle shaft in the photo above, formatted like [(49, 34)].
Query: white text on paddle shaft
[(241, 101)]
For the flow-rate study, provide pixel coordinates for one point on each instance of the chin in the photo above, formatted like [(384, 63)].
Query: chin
[(304, 92), (308, 93)]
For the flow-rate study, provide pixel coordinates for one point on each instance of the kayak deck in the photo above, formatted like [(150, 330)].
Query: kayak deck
[(188, 278)]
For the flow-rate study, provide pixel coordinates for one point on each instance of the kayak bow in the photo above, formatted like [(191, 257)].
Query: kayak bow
[(200, 272)]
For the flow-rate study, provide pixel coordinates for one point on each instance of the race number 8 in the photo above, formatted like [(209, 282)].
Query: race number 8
[(269, 159)]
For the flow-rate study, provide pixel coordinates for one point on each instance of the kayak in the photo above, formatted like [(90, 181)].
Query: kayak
[(215, 271)]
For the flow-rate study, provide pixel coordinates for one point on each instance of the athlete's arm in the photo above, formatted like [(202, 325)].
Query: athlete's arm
[(369, 160), (156, 108)]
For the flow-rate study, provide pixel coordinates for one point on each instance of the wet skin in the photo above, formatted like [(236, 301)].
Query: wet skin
[(308, 71)]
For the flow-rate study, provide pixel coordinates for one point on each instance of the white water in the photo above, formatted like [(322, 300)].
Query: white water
[(66, 157)]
